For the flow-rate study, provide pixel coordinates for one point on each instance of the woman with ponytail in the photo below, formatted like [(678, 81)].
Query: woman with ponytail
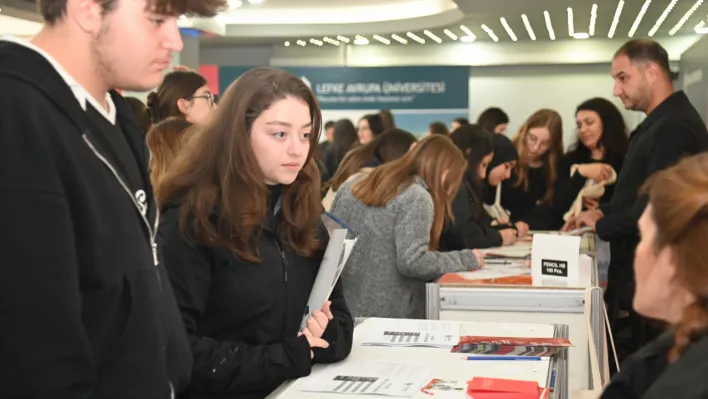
[(671, 277), (182, 94)]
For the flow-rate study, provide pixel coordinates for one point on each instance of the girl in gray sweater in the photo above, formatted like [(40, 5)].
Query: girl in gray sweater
[(398, 211)]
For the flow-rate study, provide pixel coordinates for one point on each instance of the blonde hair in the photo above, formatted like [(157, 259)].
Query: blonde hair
[(552, 121), (437, 161), (165, 139)]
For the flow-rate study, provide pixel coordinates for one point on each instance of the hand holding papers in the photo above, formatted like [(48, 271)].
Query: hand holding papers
[(341, 243), (403, 332)]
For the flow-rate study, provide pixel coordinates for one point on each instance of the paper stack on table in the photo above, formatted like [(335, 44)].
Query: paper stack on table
[(405, 333)]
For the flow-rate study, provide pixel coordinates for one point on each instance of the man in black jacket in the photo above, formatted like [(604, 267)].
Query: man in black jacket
[(86, 309), (672, 129)]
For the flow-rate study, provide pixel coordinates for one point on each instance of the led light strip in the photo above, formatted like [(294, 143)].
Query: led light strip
[(490, 33), (662, 17), (343, 39), (508, 29), (415, 37), (382, 39), (469, 36), (571, 28), (331, 41), (317, 42), (449, 34), (301, 43), (433, 36), (593, 19), (615, 20), (685, 18), (549, 25), (638, 20), (527, 24), (399, 39)]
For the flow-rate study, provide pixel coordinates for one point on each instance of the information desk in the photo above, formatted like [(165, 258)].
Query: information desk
[(450, 366), (452, 298)]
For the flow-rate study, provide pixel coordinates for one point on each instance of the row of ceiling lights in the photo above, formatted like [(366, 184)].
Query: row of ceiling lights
[(470, 37)]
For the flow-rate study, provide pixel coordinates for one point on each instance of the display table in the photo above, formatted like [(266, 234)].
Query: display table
[(450, 366)]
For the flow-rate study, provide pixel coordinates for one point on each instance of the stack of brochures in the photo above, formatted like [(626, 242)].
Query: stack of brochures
[(408, 333), (511, 346)]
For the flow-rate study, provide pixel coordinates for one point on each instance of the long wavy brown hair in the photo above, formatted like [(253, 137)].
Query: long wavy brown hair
[(437, 161), (165, 140), (551, 120), (679, 201), (217, 173)]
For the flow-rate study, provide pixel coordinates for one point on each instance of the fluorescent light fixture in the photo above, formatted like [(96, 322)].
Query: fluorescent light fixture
[(301, 43), (467, 31), (490, 32), (331, 41), (468, 39), (415, 37), (287, 44), (701, 28), (433, 36), (685, 17), (449, 34), (615, 19), (235, 3), (508, 29), (662, 17), (343, 39), (593, 19), (382, 39), (549, 25), (638, 20), (399, 39), (527, 24), (581, 35), (361, 40), (571, 27)]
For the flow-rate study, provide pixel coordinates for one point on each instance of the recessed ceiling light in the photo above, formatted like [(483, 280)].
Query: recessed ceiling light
[(331, 41), (571, 28), (235, 3), (638, 20), (343, 39), (581, 35), (508, 29), (468, 39), (490, 32), (449, 34), (415, 37), (593, 19), (301, 43), (663, 16), (361, 40), (615, 20), (527, 24), (316, 42), (433, 36), (549, 25), (399, 39), (287, 44), (685, 17), (382, 39)]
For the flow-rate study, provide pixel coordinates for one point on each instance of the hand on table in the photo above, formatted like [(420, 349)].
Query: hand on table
[(480, 258), (522, 229), (584, 219), (509, 236)]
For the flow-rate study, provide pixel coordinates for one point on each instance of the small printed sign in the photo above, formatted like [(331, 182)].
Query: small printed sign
[(555, 260), (551, 267)]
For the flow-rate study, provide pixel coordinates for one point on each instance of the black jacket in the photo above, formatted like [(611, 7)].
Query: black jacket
[(671, 131), (471, 227), (647, 374), (84, 311), (242, 318)]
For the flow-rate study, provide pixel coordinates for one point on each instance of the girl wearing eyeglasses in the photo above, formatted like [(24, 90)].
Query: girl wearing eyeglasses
[(184, 94)]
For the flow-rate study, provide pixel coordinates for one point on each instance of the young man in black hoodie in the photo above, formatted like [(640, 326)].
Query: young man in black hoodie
[(672, 129), (86, 309)]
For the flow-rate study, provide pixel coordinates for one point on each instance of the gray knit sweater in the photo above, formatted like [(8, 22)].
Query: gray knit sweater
[(386, 273)]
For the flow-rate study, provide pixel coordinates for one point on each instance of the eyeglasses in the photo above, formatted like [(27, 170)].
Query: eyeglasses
[(207, 96)]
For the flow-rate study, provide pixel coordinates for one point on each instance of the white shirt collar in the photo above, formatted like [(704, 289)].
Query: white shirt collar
[(81, 94)]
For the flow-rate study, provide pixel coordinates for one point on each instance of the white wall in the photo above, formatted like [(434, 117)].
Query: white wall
[(520, 91)]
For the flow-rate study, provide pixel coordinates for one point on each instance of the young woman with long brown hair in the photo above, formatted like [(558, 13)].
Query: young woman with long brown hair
[(398, 211), (529, 193), (165, 140), (243, 242), (671, 280)]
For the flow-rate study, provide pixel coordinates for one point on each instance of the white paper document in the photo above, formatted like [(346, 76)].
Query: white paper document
[(494, 270), (341, 243), (421, 333), (369, 377)]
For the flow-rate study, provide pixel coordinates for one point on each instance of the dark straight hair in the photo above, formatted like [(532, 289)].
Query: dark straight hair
[(176, 85), (475, 143)]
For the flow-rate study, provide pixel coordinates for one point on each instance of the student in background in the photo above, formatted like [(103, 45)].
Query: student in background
[(165, 140), (438, 128), (499, 170), (494, 120), (385, 148), (471, 227), (243, 241), (329, 138), (370, 126), (457, 122), (528, 195), (398, 211), (86, 308), (600, 149), (141, 113), (345, 138), (671, 286), (387, 119), (183, 94)]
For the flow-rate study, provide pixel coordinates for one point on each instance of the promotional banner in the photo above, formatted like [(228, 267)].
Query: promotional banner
[(417, 96)]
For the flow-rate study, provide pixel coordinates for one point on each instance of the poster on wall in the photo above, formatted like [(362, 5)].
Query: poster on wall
[(416, 95)]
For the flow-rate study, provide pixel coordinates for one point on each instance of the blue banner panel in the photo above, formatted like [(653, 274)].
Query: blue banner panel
[(345, 88)]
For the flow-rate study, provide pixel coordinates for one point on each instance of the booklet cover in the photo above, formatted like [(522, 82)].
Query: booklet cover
[(341, 243), (512, 346)]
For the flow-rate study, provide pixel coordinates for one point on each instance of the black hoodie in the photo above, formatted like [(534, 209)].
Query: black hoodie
[(85, 310)]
